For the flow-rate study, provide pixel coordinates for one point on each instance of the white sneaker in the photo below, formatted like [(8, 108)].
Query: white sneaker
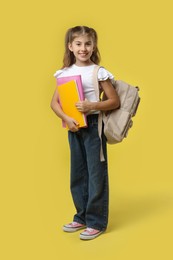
[(73, 226), (90, 233)]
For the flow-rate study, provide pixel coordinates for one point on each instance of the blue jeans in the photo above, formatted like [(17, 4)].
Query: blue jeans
[(89, 176)]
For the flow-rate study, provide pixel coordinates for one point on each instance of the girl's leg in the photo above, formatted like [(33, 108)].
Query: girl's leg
[(98, 190), (79, 176)]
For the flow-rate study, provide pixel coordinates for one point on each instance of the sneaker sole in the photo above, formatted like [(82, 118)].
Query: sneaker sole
[(85, 237), (70, 229)]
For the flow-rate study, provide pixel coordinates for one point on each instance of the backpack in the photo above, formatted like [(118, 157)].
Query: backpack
[(117, 122)]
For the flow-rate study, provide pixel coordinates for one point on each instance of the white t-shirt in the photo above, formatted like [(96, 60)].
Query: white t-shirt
[(86, 73)]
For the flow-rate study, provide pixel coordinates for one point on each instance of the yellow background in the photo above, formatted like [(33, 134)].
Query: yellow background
[(136, 45)]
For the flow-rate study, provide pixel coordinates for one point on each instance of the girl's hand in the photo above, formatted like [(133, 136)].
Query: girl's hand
[(83, 106), (72, 124)]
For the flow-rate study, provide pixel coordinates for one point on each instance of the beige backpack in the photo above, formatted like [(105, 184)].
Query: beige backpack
[(117, 122)]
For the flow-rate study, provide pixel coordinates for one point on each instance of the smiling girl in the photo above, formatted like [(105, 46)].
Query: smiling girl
[(89, 175)]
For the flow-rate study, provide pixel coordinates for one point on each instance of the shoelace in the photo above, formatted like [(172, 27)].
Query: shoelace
[(74, 223), (90, 230)]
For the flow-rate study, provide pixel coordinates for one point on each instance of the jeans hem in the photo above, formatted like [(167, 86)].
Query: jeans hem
[(79, 221)]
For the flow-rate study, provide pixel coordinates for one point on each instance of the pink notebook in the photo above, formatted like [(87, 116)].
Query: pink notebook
[(78, 80)]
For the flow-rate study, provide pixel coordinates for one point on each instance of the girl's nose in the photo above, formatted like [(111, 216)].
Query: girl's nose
[(83, 47)]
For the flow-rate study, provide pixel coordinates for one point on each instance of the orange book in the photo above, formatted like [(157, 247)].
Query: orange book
[(68, 96)]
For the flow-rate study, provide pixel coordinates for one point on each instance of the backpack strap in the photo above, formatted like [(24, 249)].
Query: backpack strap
[(100, 117)]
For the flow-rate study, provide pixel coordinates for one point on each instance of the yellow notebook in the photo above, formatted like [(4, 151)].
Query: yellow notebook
[(68, 96)]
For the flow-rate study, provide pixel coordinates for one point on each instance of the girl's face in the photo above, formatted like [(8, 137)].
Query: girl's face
[(82, 48)]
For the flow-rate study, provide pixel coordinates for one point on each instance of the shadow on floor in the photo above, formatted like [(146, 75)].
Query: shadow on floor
[(128, 211)]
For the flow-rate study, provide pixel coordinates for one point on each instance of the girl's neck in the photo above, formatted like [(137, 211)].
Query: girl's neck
[(83, 64)]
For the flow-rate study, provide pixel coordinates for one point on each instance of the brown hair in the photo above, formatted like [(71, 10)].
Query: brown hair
[(73, 32)]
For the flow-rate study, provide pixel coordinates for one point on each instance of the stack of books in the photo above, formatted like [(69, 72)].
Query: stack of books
[(70, 91)]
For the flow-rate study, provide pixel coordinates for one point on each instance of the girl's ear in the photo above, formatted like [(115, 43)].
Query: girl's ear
[(70, 46)]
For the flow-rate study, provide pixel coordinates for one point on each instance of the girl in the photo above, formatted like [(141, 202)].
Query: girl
[(89, 175)]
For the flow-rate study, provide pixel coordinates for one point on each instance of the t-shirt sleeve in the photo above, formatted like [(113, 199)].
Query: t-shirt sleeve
[(57, 73), (104, 74)]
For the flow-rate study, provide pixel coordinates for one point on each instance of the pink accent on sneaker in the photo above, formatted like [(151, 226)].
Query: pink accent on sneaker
[(90, 233), (73, 226)]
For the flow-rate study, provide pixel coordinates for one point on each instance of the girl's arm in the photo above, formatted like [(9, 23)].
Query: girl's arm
[(110, 99), (71, 122)]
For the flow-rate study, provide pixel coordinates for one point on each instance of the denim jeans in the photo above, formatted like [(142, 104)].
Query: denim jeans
[(89, 176)]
